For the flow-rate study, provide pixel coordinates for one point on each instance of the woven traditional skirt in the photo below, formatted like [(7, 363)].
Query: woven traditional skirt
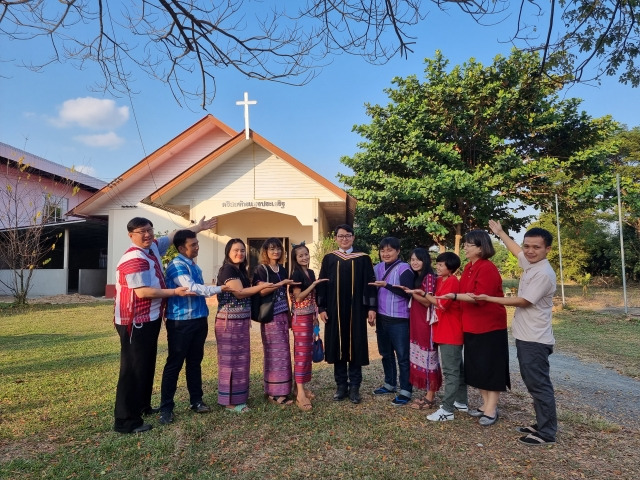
[(277, 355), (302, 327), (424, 372), (234, 358)]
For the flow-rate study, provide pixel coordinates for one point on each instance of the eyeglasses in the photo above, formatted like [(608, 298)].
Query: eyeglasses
[(470, 245), (344, 237), (144, 232), (274, 249)]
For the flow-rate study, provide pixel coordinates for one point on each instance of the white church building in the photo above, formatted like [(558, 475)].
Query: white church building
[(255, 189)]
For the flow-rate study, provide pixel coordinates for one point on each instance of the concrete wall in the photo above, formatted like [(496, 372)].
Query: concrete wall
[(92, 281), (43, 282)]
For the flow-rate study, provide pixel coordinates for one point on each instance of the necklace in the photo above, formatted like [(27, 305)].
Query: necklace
[(275, 269)]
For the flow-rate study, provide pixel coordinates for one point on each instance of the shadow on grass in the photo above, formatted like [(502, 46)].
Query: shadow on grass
[(13, 308), (34, 341), (61, 363)]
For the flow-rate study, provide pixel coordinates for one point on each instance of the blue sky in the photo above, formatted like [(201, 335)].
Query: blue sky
[(55, 114)]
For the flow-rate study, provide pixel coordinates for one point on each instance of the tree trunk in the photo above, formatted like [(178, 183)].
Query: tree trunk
[(458, 239)]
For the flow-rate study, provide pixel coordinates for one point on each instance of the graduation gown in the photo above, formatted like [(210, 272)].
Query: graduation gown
[(347, 298)]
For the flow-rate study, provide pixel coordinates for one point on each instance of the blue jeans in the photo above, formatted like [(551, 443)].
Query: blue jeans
[(533, 358), (185, 340), (393, 344)]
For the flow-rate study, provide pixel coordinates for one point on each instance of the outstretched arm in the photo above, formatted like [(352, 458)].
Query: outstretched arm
[(197, 228), (508, 301), (496, 228)]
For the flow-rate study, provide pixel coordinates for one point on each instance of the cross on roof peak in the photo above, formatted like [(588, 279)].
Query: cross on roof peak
[(246, 102)]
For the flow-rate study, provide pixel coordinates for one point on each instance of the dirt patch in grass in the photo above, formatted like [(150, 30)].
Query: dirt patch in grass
[(71, 298)]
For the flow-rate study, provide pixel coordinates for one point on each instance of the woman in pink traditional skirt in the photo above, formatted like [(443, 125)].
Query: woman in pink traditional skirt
[(275, 334), (232, 328), (425, 370), (305, 319)]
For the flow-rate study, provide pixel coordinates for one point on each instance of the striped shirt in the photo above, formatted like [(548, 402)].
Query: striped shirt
[(183, 272), (139, 268)]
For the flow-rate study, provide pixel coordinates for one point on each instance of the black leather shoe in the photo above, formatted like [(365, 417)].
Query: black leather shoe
[(150, 411), (201, 407), (145, 427), (354, 394), (341, 393), (166, 418)]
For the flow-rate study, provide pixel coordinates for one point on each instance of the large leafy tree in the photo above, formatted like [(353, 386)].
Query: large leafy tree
[(473, 143), (287, 41), (626, 163)]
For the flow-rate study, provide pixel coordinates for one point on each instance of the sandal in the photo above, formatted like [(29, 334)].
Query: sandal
[(240, 408), (422, 404), (305, 407), (309, 394), (281, 400)]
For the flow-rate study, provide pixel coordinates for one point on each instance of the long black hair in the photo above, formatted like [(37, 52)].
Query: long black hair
[(422, 254), (241, 266), (295, 266)]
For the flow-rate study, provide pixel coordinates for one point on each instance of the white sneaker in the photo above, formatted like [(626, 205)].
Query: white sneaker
[(462, 407), (440, 415)]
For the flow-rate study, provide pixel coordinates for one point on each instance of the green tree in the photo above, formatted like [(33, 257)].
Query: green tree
[(627, 164), (323, 246), (505, 261), (447, 154), (579, 254)]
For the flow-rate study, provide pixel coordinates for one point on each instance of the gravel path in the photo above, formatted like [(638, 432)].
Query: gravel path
[(597, 389)]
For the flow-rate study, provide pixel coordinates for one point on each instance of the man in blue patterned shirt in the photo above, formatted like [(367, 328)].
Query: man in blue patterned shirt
[(187, 326)]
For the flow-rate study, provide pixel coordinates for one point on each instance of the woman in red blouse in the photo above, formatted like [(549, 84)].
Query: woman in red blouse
[(484, 324)]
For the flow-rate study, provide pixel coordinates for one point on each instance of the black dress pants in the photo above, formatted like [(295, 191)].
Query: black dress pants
[(137, 367), (186, 340), (347, 373)]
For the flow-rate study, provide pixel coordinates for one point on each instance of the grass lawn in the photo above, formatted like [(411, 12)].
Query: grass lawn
[(59, 366)]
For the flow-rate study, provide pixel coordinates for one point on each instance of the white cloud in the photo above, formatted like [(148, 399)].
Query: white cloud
[(86, 169), (93, 113), (108, 140)]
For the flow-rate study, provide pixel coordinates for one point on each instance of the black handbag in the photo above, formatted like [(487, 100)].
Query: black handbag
[(318, 351), (262, 306), (318, 348)]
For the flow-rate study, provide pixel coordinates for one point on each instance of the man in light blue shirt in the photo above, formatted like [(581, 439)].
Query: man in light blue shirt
[(187, 326)]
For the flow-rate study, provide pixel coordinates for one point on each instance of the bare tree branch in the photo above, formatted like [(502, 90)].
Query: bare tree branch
[(285, 42), (27, 203)]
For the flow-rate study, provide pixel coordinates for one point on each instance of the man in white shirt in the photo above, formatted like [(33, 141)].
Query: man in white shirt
[(532, 327)]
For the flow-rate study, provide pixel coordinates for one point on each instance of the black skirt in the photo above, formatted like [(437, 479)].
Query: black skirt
[(486, 360)]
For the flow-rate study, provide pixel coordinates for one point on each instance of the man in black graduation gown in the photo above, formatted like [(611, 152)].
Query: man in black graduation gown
[(345, 303)]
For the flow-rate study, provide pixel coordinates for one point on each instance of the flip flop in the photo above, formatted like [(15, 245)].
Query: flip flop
[(281, 400), (310, 395), (240, 408), (305, 407)]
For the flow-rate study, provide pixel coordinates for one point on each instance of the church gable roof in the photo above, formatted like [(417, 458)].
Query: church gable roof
[(159, 167), (160, 178), (235, 147)]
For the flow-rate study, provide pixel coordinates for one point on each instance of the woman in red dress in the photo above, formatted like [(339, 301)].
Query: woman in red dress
[(425, 372)]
